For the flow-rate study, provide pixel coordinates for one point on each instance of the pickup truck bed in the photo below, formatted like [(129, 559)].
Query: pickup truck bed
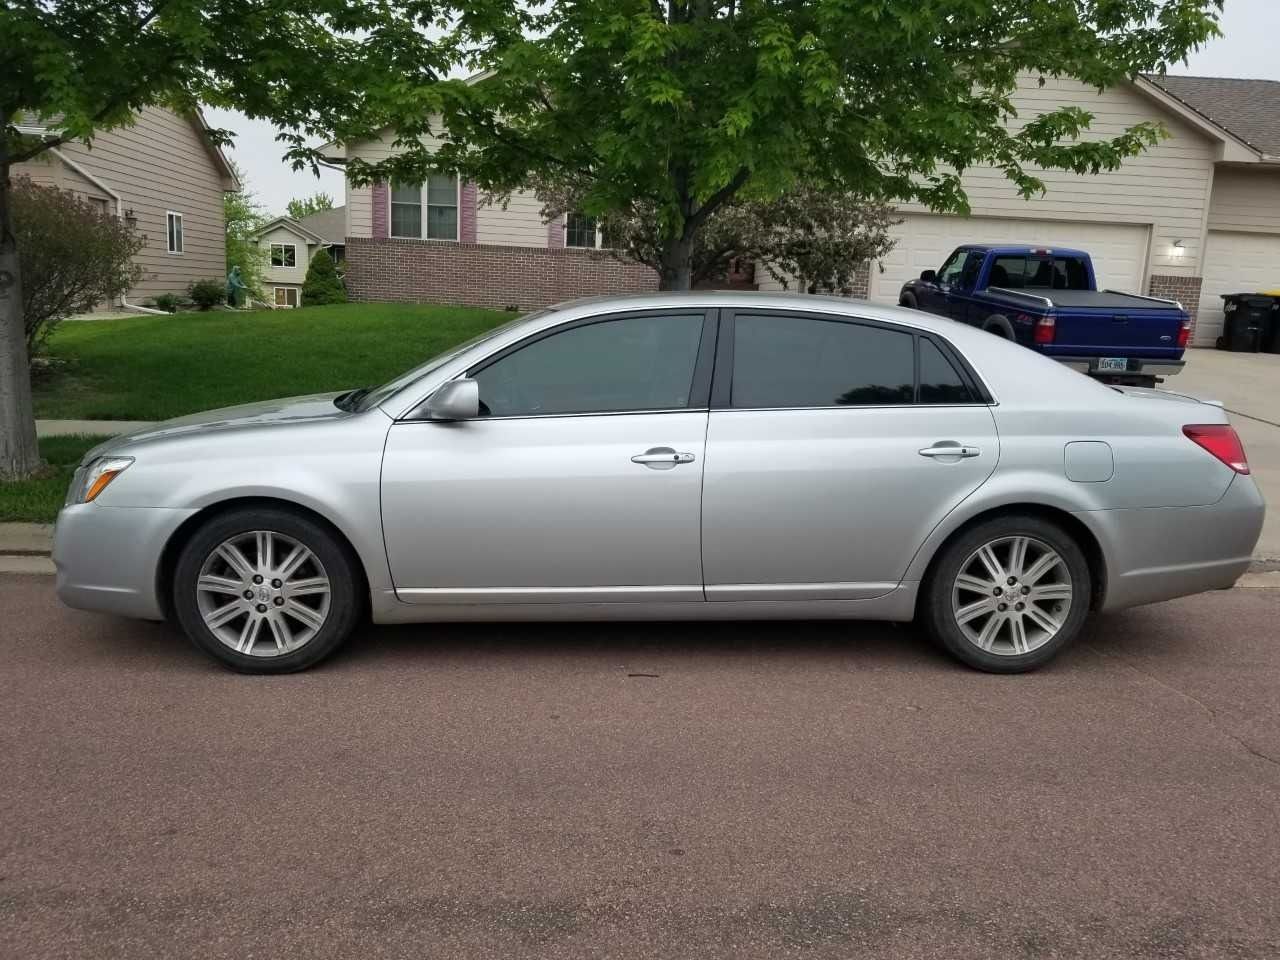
[(1089, 299)]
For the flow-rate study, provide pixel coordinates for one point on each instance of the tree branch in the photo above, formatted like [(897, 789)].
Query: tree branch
[(717, 199)]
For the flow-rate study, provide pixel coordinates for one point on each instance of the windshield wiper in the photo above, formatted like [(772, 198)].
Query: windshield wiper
[(349, 400)]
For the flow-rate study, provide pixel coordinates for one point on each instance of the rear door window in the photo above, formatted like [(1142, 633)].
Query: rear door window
[(940, 382), (788, 361)]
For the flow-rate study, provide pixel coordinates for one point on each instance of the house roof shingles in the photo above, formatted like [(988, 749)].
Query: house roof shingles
[(331, 225), (1249, 109)]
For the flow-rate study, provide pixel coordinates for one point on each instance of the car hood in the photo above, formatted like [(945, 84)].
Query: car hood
[(265, 413)]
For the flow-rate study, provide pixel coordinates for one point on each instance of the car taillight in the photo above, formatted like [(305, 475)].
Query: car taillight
[(1045, 330), (1184, 332), (1220, 440)]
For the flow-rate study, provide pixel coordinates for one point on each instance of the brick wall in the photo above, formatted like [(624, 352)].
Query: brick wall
[(1185, 290), (485, 275)]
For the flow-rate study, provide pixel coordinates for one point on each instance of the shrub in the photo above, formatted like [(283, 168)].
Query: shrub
[(322, 285), (167, 302), (71, 254), (208, 293)]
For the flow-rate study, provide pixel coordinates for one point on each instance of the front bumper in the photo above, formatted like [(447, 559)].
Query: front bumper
[(1137, 367), (107, 557), (1158, 553)]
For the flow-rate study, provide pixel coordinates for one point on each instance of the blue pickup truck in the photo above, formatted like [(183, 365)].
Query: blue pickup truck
[(1046, 298)]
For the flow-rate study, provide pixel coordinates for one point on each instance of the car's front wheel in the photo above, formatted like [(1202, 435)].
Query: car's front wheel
[(266, 590), (1008, 594)]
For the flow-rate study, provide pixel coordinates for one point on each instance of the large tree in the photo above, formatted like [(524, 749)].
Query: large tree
[(685, 105), (304, 207), (73, 68)]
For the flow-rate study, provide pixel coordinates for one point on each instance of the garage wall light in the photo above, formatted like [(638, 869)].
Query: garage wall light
[(1178, 250)]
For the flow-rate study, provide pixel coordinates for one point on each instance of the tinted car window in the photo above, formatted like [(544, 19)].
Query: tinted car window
[(939, 381), (1008, 272), (635, 363), (811, 362)]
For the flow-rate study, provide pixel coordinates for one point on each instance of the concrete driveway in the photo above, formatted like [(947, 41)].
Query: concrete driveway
[(1248, 384)]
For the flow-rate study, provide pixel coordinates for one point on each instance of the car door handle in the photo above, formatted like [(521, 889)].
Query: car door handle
[(950, 450), (662, 458)]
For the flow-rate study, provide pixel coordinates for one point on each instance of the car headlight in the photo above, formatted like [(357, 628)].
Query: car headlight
[(91, 480)]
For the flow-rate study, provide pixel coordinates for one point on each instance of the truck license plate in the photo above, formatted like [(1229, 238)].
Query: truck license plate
[(1112, 365)]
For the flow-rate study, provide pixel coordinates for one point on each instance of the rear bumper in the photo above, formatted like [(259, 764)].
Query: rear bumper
[(107, 557), (1158, 553), (1138, 367)]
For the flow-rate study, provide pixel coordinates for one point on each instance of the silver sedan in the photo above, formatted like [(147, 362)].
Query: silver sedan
[(672, 457)]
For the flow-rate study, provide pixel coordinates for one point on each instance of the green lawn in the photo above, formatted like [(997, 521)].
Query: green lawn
[(152, 368), (38, 500)]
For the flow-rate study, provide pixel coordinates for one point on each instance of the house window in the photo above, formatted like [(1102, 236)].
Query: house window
[(406, 211), (440, 197), (583, 231), (175, 231), (579, 231), (284, 255), (286, 296)]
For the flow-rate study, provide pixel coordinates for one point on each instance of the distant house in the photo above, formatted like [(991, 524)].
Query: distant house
[(289, 245), (164, 175)]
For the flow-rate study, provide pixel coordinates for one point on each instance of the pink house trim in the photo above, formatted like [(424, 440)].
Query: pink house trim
[(467, 213), (381, 210)]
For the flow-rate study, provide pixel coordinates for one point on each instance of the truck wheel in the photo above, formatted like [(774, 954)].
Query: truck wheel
[(907, 300), (999, 326)]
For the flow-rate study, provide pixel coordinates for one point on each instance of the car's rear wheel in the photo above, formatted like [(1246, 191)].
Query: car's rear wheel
[(1008, 594), (266, 590)]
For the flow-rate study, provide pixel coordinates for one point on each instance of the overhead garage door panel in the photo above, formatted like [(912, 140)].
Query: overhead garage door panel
[(1234, 263), (1118, 250)]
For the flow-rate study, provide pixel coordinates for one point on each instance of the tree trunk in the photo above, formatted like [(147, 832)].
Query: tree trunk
[(677, 264), (19, 455)]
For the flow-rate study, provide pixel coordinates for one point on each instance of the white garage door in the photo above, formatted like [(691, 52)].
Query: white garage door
[(1234, 263), (1119, 251)]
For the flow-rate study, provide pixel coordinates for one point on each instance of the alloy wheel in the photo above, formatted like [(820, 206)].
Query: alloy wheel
[(1012, 596), (263, 594)]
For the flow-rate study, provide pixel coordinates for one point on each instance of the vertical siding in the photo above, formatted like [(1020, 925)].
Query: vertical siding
[(1245, 200), (160, 163), (1167, 186)]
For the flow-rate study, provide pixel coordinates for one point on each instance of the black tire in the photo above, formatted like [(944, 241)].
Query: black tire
[(907, 300), (935, 604), (999, 326), (346, 593)]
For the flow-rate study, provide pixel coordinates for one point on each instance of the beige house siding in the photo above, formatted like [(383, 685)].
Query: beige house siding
[(161, 163), (360, 199), (286, 275), (520, 224), (1166, 187), (1246, 201)]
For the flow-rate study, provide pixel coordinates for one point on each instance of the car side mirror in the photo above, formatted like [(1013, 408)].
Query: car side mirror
[(929, 276), (455, 400)]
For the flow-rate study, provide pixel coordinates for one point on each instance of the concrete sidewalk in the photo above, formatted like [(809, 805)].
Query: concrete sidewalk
[(93, 428)]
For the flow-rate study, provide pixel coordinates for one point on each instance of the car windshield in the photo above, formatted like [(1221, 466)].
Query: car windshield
[(370, 398)]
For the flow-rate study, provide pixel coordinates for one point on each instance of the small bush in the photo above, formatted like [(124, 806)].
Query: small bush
[(208, 293), (322, 284), (72, 256), (167, 302)]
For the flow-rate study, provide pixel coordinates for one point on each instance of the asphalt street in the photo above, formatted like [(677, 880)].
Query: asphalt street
[(642, 791)]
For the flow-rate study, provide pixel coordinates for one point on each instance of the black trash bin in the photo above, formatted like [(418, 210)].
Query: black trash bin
[(1271, 333), (1248, 321)]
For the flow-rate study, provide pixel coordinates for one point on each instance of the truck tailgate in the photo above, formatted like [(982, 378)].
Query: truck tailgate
[(1143, 332)]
